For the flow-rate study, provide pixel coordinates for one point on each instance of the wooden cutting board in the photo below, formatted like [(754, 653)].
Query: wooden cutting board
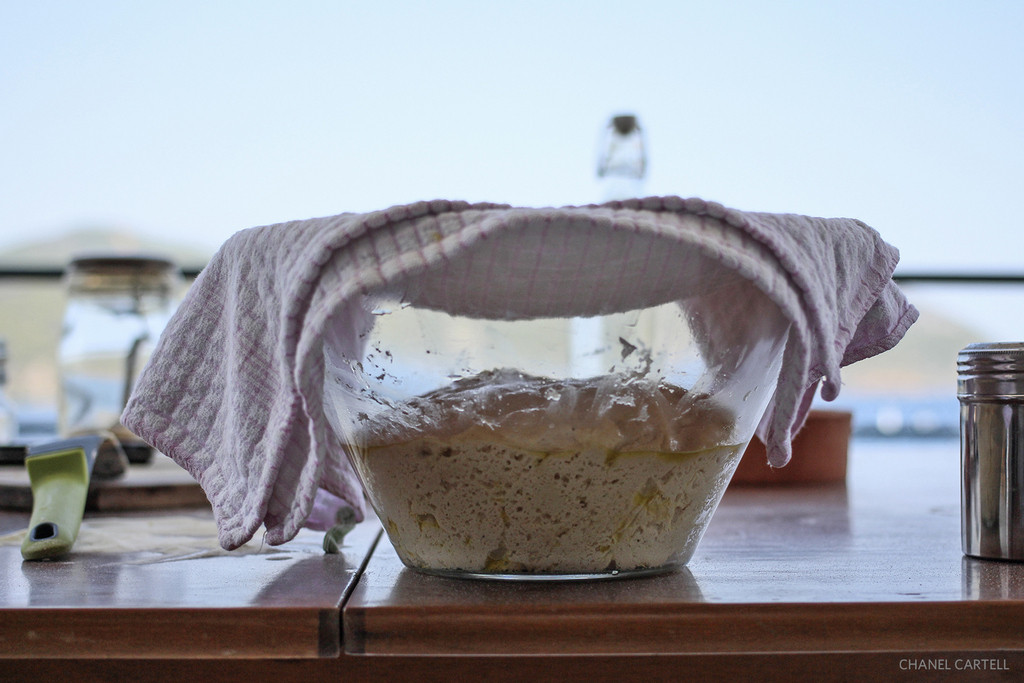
[(159, 484)]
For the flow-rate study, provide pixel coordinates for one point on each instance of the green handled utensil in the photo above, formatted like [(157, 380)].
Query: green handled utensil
[(59, 474)]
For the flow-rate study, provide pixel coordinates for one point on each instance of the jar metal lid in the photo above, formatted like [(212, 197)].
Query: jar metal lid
[(991, 369), (121, 263), (112, 273)]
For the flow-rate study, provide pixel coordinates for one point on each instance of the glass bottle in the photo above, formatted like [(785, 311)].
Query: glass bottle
[(622, 164), (621, 169)]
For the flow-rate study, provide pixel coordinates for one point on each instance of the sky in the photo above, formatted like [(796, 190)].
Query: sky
[(192, 120)]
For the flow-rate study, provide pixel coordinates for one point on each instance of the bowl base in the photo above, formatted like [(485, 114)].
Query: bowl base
[(540, 577)]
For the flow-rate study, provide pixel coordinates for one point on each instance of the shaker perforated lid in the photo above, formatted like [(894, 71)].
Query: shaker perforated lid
[(991, 369)]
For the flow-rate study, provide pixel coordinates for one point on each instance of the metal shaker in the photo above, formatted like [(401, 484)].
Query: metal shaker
[(990, 388)]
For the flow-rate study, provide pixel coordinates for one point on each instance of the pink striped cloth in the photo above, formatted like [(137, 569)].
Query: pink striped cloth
[(234, 391)]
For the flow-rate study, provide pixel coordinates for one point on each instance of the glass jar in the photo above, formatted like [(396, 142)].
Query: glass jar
[(117, 306), (8, 415)]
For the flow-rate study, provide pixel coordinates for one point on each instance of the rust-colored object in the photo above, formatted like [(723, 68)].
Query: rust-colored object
[(819, 454)]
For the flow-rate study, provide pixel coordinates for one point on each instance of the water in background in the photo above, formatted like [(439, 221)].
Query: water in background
[(897, 416)]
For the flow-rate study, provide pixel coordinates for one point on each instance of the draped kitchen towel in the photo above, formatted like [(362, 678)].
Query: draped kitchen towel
[(235, 389)]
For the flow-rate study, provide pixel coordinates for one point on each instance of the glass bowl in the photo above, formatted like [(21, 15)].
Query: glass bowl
[(553, 448)]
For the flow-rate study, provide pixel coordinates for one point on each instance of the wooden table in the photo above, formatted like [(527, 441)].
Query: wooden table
[(847, 582)]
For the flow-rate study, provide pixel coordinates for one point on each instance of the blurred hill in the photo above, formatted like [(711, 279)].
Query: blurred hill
[(31, 310), (56, 252), (923, 363)]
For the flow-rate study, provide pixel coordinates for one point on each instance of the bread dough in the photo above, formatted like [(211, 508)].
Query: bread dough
[(507, 473)]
